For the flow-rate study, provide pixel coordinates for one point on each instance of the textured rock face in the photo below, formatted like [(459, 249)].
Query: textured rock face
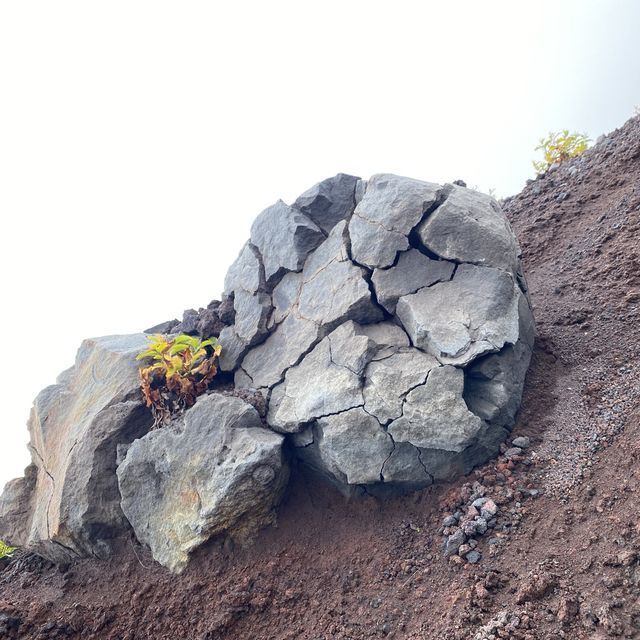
[(216, 470), (68, 502), (384, 328), (397, 341)]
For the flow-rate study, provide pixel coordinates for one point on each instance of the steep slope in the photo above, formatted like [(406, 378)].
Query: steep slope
[(563, 558)]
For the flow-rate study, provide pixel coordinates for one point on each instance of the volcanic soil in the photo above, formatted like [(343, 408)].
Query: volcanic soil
[(563, 557)]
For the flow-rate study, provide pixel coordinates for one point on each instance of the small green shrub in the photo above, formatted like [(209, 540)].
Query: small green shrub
[(182, 369), (5, 550), (559, 147)]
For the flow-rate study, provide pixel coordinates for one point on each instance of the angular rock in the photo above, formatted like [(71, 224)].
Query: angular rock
[(353, 447), (73, 507), (470, 227), (267, 363), (413, 272), (284, 237), (252, 313), (329, 201), (233, 349), (327, 381), (16, 505), (388, 381), (404, 467), (476, 312), (285, 296), (390, 208), (435, 415), (218, 472), (333, 288), (246, 273)]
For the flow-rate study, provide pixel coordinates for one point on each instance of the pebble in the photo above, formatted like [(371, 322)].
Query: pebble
[(479, 502), (521, 442), (450, 521), (473, 557), (512, 452), (453, 542)]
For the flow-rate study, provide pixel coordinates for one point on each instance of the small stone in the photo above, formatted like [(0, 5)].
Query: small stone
[(479, 502), (512, 452), (489, 509), (481, 525), (450, 521), (521, 441), (453, 542), (473, 557)]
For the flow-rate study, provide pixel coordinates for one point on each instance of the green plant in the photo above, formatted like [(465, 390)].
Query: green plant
[(182, 369), (558, 147), (5, 550)]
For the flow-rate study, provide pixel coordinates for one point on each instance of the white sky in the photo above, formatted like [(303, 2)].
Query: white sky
[(138, 140)]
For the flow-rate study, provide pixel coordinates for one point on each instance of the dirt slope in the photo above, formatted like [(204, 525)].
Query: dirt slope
[(563, 560)]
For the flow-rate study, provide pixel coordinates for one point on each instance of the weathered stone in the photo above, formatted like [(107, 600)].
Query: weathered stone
[(16, 505), (413, 272), (266, 364), (333, 288), (404, 467), (471, 227), (219, 471), (285, 296), (329, 201), (233, 349), (435, 415), (252, 312), (476, 312), (284, 237), (388, 381), (390, 208), (327, 381), (353, 446), (75, 427), (386, 335), (245, 273)]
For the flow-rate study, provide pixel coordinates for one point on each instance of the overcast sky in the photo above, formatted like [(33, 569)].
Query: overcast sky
[(138, 140)]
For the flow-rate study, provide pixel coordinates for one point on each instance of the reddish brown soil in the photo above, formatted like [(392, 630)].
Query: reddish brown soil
[(564, 564)]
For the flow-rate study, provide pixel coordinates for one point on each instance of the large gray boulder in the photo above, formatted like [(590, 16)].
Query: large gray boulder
[(216, 470), (396, 347), (68, 502)]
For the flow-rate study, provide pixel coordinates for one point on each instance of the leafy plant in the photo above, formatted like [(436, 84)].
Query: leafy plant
[(5, 550), (559, 147), (182, 369)]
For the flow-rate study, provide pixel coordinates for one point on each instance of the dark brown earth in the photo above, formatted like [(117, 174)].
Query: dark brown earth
[(564, 558)]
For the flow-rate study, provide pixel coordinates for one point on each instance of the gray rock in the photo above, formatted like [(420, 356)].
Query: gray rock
[(327, 381), (233, 349), (390, 208), (246, 273), (285, 296), (475, 313), (267, 363), (473, 557), (72, 508), (388, 381), (252, 312), (284, 237), (404, 468), (435, 415), (16, 507), (413, 271), (353, 447), (333, 288), (523, 442), (387, 336), (329, 201), (219, 471), (449, 521), (454, 542), (470, 227)]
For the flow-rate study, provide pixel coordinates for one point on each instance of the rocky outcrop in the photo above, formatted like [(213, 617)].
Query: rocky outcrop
[(75, 427), (215, 470), (383, 330)]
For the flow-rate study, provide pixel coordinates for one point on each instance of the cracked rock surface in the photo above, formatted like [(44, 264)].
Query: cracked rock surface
[(384, 326), (397, 345)]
